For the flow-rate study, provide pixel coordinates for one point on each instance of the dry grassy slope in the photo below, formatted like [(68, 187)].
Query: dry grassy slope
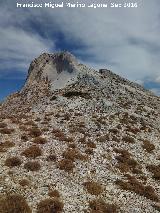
[(91, 146)]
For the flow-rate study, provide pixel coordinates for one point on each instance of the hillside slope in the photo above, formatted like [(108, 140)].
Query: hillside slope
[(78, 140)]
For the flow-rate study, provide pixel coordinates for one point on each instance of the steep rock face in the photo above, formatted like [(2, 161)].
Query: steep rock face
[(59, 69)]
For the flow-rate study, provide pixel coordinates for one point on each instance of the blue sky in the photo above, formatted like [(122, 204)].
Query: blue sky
[(124, 40)]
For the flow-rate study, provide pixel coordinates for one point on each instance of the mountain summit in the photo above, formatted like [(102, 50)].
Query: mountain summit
[(78, 140), (59, 69)]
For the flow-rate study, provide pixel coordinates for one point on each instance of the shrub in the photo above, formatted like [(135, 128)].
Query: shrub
[(89, 151), (54, 193), (3, 125), (155, 170), (126, 163), (93, 187), (30, 123), (71, 94), (71, 154), (35, 132), (40, 140), (32, 166), (32, 152), (14, 203), (149, 147), (134, 185), (51, 157), (24, 137), (114, 131), (103, 138), (99, 206), (13, 161), (53, 98), (128, 139), (50, 205), (6, 145), (6, 131), (91, 144), (24, 182), (66, 164), (72, 145)]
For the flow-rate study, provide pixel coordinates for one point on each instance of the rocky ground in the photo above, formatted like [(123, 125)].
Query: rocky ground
[(89, 145)]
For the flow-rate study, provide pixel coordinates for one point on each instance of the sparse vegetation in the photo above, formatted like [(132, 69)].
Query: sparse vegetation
[(99, 206), (148, 146), (32, 152), (3, 125), (40, 140), (14, 203), (126, 163), (134, 185), (6, 131), (34, 132), (93, 188), (13, 161), (24, 182), (66, 165), (24, 137), (32, 166), (50, 205), (71, 94), (155, 169), (54, 193), (91, 144), (71, 154), (128, 139), (89, 151), (52, 157), (103, 138), (6, 145)]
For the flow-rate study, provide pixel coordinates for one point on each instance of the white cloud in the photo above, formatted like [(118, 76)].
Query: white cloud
[(123, 40), (19, 47)]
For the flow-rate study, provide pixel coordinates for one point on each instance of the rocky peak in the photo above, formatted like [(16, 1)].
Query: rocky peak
[(58, 69)]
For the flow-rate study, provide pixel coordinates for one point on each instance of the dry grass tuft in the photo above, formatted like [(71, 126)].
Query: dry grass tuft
[(99, 206), (148, 146), (3, 125), (91, 144), (134, 185), (103, 138), (4, 146), (155, 170), (13, 161), (35, 132), (126, 163), (49, 205), (93, 188), (32, 166), (14, 203), (72, 154), (54, 193), (6, 131), (24, 182), (32, 152), (128, 139), (66, 165), (51, 157), (89, 151), (40, 140), (24, 137)]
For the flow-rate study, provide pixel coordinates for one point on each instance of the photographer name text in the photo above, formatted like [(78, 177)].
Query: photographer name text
[(77, 5)]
